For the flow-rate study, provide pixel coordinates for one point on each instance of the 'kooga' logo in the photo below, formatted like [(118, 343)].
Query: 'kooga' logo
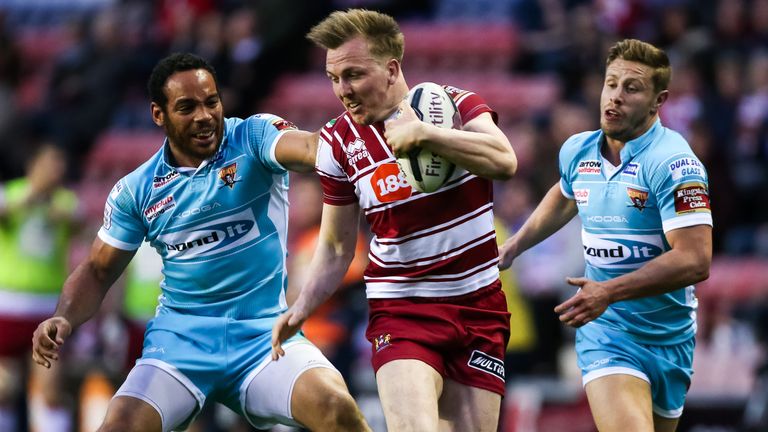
[(212, 238)]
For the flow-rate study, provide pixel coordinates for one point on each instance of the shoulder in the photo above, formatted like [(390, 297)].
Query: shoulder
[(337, 127), (579, 143)]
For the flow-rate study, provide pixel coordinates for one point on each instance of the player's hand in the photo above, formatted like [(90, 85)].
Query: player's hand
[(48, 339), (587, 304), (404, 131), (507, 254), (287, 325)]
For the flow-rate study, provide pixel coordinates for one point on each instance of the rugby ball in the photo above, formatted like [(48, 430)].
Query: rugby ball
[(424, 170)]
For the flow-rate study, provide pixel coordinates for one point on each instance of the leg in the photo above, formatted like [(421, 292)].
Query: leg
[(321, 402), (620, 403), (129, 414), (151, 399), (409, 390), (301, 388), (664, 424), (464, 408)]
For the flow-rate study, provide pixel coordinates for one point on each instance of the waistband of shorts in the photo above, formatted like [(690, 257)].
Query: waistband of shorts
[(474, 295)]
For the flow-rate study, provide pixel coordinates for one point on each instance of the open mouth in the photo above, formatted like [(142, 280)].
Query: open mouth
[(611, 114)]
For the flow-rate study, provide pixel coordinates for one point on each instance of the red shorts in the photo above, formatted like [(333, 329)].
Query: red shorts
[(16, 335), (464, 338)]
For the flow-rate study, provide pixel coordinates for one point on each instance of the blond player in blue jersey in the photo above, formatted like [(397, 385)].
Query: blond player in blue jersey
[(642, 197)]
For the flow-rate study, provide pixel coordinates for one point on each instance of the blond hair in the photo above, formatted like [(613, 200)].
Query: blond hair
[(642, 52), (385, 40)]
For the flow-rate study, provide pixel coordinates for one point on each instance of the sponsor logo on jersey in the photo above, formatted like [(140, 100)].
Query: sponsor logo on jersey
[(620, 250), (228, 175), (381, 342), (631, 169), (158, 208), (637, 198), (691, 197), (356, 151), (486, 363), (589, 167), (205, 208), (107, 216), (116, 189), (160, 181), (281, 124), (607, 219), (685, 167), (582, 197), (221, 235)]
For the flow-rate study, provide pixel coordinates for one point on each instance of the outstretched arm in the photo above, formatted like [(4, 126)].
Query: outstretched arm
[(552, 213), (686, 263), (80, 299), (296, 150), (480, 146), (334, 252)]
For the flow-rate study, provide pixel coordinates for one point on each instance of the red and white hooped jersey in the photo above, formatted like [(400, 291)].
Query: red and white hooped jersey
[(436, 244)]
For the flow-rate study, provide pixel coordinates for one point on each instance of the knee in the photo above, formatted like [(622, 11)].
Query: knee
[(340, 412)]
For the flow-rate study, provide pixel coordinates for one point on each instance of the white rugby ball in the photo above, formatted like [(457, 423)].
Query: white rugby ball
[(424, 170)]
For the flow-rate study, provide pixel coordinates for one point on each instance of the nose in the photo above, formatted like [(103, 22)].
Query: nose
[(203, 113), (344, 88)]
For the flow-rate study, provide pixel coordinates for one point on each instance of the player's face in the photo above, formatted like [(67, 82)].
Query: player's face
[(193, 118), (628, 101), (362, 82)]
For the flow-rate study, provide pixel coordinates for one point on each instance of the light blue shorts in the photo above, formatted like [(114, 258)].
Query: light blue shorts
[(603, 351), (215, 356)]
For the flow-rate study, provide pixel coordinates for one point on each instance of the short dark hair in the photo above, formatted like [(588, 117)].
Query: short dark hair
[(177, 62)]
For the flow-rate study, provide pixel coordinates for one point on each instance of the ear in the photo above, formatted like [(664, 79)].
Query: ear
[(393, 71), (158, 116), (660, 99)]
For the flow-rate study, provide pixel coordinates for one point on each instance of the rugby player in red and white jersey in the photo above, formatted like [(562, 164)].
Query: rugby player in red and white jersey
[(438, 320)]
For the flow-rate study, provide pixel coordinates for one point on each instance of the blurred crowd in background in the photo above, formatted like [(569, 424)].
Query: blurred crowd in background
[(73, 76)]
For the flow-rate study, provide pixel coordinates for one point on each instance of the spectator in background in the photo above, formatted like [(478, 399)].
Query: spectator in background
[(642, 196), (38, 218), (438, 321), (212, 201), (11, 162)]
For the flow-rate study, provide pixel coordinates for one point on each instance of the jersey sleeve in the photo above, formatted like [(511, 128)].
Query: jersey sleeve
[(565, 163), (682, 191), (122, 226), (264, 131), (337, 189), (470, 104)]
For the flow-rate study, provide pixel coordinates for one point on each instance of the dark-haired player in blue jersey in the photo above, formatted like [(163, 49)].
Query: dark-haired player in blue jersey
[(643, 200), (213, 203)]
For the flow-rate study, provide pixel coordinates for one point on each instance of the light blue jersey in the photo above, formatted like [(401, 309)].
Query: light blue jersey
[(220, 229), (660, 186)]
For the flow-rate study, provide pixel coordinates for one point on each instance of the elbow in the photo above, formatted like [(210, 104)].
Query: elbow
[(506, 167), (699, 270)]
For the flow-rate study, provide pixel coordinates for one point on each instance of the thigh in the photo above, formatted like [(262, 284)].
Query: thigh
[(664, 424), (131, 414), (278, 391), (409, 390), (161, 389), (620, 402), (464, 408)]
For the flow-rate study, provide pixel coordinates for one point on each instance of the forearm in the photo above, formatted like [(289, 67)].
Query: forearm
[(326, 270), (82, 294), (483, 154), (554, 211), (668, 272)]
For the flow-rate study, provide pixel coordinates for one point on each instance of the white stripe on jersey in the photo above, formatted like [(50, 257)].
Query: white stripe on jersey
[(433, 285)]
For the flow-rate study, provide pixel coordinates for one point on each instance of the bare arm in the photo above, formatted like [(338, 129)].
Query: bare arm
[(80, 299), (480, 147), (552, 213), (296, 150), (686, 263), (334, 252)]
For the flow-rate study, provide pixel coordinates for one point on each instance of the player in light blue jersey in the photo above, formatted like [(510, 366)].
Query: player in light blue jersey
[(643, 200), (213, 203)]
